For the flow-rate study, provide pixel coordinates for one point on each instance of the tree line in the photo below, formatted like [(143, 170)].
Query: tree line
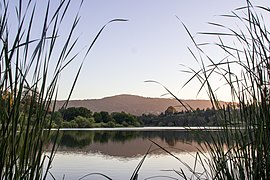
[(81, 117), (171, 117)]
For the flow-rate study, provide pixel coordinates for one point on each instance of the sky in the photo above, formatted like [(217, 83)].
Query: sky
[(151, 45)]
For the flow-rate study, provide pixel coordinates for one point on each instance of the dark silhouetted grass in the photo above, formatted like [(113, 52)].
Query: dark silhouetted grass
[(29, 83), (242, 152), (27, 92)]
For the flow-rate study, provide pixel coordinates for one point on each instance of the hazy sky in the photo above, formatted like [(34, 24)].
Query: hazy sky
[(150, 46)]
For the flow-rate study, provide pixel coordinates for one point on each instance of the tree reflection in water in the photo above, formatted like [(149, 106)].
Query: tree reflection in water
[(117, 152), (81, 139)]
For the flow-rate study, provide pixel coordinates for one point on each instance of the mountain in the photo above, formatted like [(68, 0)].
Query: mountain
[(133, 104)]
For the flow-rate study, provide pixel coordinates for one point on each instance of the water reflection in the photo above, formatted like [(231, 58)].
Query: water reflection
[(130, 143), (117, 153)]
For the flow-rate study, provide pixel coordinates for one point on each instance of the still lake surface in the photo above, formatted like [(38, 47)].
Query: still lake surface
[(116, 152)]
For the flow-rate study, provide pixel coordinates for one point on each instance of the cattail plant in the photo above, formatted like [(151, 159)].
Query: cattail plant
[(243, 150), (30, 67), (26, 91)]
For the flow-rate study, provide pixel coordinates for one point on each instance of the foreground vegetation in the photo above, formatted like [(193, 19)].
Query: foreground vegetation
[(244, 151), (31, 64), (24, 71), (239, 153)]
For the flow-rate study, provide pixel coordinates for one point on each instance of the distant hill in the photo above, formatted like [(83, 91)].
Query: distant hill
[(135, 105)]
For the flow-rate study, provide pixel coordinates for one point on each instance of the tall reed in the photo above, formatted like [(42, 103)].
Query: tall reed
[(30, 71), (243, 151), (26, 90)]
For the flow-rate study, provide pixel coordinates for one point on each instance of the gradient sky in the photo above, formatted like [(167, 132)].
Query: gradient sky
[(150, 46)]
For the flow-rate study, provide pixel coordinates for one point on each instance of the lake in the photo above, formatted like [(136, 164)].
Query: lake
[(116, 152)]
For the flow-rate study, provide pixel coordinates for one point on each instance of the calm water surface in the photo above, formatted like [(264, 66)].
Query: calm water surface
[(117, 152)]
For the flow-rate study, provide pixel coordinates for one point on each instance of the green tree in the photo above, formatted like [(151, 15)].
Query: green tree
[(57, 118), (84, 122), (106, 117), (98, 117), (111, 124), (124, 118), (73, 124), (66, 124), (72, 112), (119, 117)]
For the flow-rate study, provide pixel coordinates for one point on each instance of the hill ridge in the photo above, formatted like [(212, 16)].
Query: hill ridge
[(134, 104)]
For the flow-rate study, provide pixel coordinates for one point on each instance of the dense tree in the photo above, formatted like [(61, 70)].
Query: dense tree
[(193, 118), (149, 119), (84, 122), (111, 124), (72, 112), (119, 117), (73, 124), (57, 118), (126, 119), (106, 117), (82, 118), (97, 116)]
